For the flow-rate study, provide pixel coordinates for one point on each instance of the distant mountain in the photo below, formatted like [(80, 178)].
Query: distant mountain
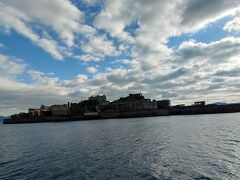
[(220, 103), (2, 118)]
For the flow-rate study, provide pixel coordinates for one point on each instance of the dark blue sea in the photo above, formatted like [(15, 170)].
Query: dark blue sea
[(176, 147)]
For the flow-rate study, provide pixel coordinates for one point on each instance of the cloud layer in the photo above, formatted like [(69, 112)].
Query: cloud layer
[(133, 35)]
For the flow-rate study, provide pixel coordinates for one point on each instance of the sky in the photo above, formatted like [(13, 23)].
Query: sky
[(55, 51)]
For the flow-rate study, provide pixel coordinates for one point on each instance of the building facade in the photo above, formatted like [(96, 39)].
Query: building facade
[(59, 110), (163, 104), (99, 99), (133, 102), (34, 112)]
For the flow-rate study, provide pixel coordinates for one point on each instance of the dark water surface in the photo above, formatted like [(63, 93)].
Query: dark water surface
[(177, 147)]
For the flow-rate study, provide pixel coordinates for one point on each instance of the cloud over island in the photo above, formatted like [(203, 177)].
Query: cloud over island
[(54, 51)]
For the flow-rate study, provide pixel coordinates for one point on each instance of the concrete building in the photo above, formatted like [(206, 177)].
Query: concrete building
[(163, 104), (42, 111), (92, 105), (200, 103), (34, 112), (44, 108), (133, 102), (59, 110), (99, 99), (180, 105), (77, 109)]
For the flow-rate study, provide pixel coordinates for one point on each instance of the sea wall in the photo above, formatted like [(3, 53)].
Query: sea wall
[(175, 110), (208, 109)]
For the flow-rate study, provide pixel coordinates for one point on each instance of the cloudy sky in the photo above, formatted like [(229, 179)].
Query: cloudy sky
[(54, 51)]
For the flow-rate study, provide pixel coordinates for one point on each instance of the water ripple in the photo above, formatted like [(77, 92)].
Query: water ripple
[(177, 147)]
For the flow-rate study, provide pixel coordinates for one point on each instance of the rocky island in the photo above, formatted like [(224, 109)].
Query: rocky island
[(98, 107)]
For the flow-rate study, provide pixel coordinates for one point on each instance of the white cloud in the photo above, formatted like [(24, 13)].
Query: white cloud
[(233, 25), (11, 65), (91, 2), (214, 53), (192, 71), (99, 45), (115, 17), (14, 19), (24, 16), (36, 20), (96, 49), (18, 96), (89, 57), (159, 20), (62, 16), (193, 75), (91, 70)]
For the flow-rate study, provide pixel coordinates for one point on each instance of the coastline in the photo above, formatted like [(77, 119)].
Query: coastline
[(171, 111)]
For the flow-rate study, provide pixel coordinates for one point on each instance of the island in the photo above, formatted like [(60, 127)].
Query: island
[(132, 106)]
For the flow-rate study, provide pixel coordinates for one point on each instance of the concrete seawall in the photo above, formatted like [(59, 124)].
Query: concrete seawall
[(103, 115), (185, 110)]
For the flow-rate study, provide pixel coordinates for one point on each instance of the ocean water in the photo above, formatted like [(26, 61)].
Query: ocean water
[(176, 147)]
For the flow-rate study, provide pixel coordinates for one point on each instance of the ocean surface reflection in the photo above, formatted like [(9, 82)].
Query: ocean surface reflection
[(176, 147)]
